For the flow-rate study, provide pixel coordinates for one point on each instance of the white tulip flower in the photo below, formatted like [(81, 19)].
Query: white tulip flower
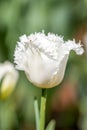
[(8, 79), (44, 57)]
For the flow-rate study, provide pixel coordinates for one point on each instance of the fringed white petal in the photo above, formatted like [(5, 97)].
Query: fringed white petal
[(23, 38), (77, 47)]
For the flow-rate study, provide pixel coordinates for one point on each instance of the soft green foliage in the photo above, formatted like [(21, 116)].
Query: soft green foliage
[(51, 125)]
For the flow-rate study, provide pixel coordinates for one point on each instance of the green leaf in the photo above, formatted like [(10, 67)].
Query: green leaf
[(36, 109), (51, 125)]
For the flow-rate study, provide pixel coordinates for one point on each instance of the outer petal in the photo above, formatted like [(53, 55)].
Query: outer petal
[(44, 71), (56, 77), (40, 68)]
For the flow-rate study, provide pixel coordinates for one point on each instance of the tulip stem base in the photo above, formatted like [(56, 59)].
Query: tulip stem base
[(43, 109)]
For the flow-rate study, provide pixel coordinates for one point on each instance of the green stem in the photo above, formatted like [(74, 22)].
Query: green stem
[(42, 109), (36, 109)]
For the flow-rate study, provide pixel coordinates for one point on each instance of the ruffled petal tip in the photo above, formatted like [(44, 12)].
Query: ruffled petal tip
[(77, 47)]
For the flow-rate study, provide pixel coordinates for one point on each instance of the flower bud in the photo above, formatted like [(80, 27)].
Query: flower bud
[(9, 77)]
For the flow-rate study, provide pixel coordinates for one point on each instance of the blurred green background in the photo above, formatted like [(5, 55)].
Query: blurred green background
[(67, 103)]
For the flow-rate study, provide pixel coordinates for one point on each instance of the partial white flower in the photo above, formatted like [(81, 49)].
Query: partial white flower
[(8, 79), (44, 57)]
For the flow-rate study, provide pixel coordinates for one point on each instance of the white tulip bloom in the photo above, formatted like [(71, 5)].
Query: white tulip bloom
[(8, 79), (44, 57)]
